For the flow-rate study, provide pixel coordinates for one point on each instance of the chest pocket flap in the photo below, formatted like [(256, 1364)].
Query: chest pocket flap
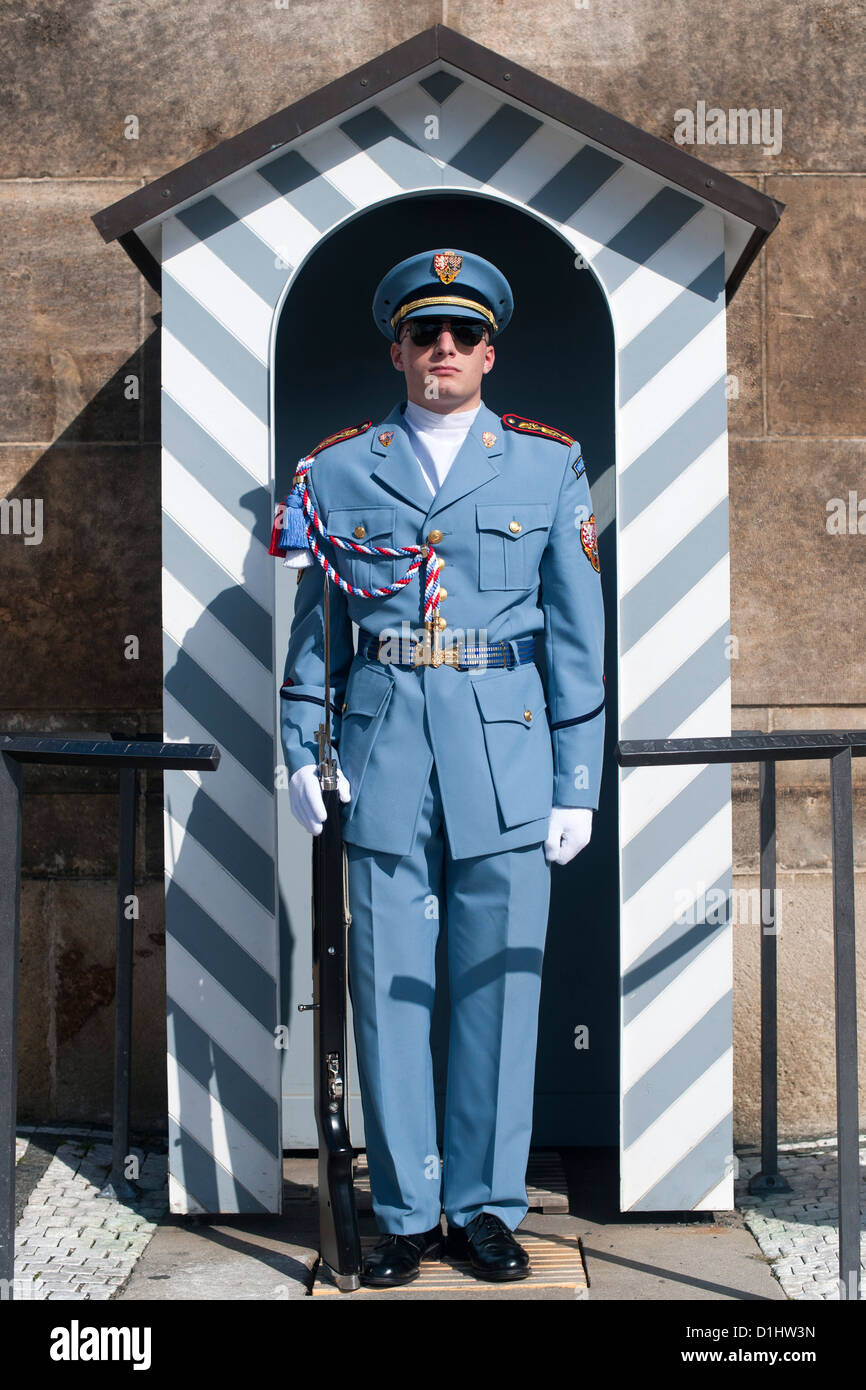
[(511, 541), (368, 526)]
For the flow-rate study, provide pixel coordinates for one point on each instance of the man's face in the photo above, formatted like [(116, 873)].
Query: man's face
[(446, 376)]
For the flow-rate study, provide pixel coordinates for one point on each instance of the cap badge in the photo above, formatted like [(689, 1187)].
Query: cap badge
[(385, 437), (488, 439), (447, 265)]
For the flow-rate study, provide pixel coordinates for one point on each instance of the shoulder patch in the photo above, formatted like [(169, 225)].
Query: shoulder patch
[(350, 432), (526, 426)]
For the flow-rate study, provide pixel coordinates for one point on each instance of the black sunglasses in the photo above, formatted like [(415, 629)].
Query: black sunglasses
[(425, 332)]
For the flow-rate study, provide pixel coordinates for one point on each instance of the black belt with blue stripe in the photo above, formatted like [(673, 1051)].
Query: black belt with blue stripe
[(401, 651)]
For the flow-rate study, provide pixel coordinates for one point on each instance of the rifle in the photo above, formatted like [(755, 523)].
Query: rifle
[(339, 1237)]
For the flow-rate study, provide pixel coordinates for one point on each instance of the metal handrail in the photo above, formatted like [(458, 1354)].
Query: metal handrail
[(839, 746), (127, 756)]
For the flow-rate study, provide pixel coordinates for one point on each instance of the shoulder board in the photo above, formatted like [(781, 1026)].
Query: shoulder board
[(350, 432), (525, 426)]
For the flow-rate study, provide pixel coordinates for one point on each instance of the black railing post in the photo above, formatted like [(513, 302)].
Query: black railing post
[(845, 980), (10, 910), (119, 1185), (769, 1178)]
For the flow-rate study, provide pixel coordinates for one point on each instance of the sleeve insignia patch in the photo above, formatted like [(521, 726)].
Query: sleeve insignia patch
[(589, 541), (349, 433), (578, 465), (526, 426)]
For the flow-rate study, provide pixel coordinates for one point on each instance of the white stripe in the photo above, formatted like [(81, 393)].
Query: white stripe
[(230, 299), (231, 786), (645, 793), (646, 666), (238, 1154), (244, 559), (711, 719), (720, 1197), (671, 516), (352, 171), (670, 1138), (655, 285), (681, 1005), (613, 205), (271, 217), (221, 1016), (181, 1201), (230, 664), (410, 110), (224, 900), (667, 396), (217, 409), (466, 111), (543, 155), (649, 912)]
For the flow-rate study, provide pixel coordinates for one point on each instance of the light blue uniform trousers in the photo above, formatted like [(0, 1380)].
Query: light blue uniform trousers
[(496, 908)]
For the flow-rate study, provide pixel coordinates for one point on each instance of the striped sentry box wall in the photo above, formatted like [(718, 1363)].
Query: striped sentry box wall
[(228, 258)]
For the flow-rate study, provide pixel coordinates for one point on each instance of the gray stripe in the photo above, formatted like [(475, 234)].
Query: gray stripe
[(215, 590), (672, 952), (206, 1181), (316, 199), (440, 85), (217, 1072), (674, 576), (696, 1174), (672, 330), (633, 245), (223, 838), (237, 246), (667, 457), (681, 1065), (575, 183), (686, 688), (677, 822), (392, 150), (222, 956), (225, 720), (211, 343), (218, 472), (494, 144)]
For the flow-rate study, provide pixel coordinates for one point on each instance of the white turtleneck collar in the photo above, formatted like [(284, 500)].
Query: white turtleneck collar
[(437, 439)]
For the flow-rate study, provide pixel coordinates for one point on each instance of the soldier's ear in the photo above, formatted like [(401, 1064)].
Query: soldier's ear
[(489, 357), (397, 357)]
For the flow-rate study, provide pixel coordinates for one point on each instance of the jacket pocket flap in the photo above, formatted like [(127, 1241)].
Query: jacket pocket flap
[(376, 521), (508, 697), (367, 691), (500, 517)]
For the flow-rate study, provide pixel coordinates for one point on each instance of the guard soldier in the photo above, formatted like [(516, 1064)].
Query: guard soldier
[(455, 538)]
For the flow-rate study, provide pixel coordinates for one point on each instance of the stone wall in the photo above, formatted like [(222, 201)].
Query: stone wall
[(79, 428)]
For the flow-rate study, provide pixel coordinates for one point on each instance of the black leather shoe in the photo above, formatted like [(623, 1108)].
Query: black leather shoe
[(395, 1259), (489, 1246)]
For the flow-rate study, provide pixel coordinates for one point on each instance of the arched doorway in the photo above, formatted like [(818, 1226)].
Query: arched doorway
[(555, 363)]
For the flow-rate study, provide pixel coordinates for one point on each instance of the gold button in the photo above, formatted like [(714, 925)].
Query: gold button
[(344, 706), (440, 563), (515, 526), (443, 593), (441, 622), (434, 537), (359, 531), (527, 715)]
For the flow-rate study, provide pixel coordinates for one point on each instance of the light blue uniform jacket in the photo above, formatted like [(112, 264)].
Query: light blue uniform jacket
[(508, 744)]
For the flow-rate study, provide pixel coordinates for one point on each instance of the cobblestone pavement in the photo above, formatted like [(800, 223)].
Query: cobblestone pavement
[(799, 1230), (71, 1242)]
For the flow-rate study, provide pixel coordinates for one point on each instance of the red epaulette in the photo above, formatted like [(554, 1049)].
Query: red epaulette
[(525, 426), (349, 432)]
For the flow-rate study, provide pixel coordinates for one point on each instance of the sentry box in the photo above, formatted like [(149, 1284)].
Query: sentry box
[(623, 252)]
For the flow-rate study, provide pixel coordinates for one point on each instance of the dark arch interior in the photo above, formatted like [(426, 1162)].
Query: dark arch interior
[(555, 362)]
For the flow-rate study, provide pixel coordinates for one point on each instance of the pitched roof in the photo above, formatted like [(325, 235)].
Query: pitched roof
[(120, 220)]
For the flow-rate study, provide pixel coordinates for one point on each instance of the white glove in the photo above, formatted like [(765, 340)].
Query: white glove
[(305, 797), (568, 832)]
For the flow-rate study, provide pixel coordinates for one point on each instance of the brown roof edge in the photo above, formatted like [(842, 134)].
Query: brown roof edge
[(669, 161), (270, 134), (120, 219)]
